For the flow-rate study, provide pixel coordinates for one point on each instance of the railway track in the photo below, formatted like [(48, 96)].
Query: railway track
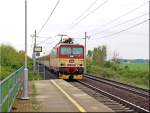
[(119, 97), (133, 89), (129, 97), (115, 106)]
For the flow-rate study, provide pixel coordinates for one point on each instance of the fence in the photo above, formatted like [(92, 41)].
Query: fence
[(9, 88), (40, 69)]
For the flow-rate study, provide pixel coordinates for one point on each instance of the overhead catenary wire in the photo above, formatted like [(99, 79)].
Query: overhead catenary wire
[(49, 17), (43, 37), (46, 44), (44, 40), (116, 19), (123, 29), (118, 24), (89, 7), (89, 13), (50, 48), (121, 23)]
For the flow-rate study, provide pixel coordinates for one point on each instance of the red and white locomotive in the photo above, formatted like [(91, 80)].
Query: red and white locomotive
[(66, 60)]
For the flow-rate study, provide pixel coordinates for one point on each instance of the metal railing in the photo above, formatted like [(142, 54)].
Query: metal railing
[(9, 88), (40, 70)]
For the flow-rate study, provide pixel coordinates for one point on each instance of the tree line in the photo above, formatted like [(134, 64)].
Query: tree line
[(10, 60), (98, 55)]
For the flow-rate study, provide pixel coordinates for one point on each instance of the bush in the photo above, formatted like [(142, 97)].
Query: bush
[(11, 60), (108, 64), (5, 71)]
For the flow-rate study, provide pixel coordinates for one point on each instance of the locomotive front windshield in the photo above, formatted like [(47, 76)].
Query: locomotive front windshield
[(65, 50), (73, 51), (77, 50)]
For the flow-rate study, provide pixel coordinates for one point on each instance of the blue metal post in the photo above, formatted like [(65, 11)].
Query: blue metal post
[(8, 91), (0, 97)]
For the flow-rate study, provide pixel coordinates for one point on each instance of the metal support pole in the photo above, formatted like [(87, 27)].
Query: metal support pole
[(44, 73), (38, 69), (8, 94), (85, 54), (0, 97), (34, 55), (25, 78), (149, 26)]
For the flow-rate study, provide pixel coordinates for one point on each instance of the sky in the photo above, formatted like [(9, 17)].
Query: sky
[(102, 22)]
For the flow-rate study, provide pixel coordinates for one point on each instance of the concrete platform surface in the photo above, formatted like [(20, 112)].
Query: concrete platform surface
[(59, 96), (51, 99)]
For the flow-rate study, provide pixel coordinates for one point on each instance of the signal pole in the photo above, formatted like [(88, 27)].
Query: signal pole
[(34, 54), (25, 77), (85, 52)]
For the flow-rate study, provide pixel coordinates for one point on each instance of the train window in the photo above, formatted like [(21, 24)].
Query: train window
[(65, 50), (77, 50)]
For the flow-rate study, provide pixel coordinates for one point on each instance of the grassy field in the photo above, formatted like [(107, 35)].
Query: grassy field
[(136, 67), (133, 74)]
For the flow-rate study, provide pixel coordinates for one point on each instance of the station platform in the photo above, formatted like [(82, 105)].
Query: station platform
[(59, 96)]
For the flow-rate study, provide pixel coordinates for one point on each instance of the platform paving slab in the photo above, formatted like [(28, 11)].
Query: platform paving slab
[(89, 103), (29, 105), (51, 99)]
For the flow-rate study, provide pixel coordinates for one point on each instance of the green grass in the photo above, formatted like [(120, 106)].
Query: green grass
[(33, 89), (136, 67), (35, 104), (133, 74), (34, 76)]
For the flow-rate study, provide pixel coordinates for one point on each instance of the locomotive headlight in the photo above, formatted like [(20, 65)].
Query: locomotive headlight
[(80, 64), (62, 64)]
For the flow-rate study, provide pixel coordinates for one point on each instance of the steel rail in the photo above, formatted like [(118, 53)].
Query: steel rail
[(133, 89), (113, 97)]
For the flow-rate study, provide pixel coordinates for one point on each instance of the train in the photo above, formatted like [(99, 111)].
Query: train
[(66, 60)]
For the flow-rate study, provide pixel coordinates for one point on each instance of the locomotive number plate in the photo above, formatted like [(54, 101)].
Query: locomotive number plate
[(71, 61)]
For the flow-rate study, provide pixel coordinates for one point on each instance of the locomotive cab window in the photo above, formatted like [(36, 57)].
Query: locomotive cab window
[(65, 50), (77, 50)]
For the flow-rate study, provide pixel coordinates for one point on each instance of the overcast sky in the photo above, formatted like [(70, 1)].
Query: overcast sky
[(71, 18)]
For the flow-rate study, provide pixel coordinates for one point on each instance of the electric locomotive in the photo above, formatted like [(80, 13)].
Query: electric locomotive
[(66, 60)]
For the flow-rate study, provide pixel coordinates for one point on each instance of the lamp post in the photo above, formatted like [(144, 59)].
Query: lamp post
[(25, 77)]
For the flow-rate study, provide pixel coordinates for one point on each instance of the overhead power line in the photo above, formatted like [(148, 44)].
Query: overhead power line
[(125, 29), (90, 13), (50, 46), (121, 23), (114, 20), (44, 40), (49, 17), (90, 6)]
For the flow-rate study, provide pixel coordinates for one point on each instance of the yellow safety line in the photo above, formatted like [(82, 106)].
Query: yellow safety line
[(80, 108)]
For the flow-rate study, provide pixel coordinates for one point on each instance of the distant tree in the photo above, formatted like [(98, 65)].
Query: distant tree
[(104, 52), (99, 55), (90, 53), (115, 57)]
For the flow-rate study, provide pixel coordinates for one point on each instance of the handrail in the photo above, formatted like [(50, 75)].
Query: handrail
[(9, 88)]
